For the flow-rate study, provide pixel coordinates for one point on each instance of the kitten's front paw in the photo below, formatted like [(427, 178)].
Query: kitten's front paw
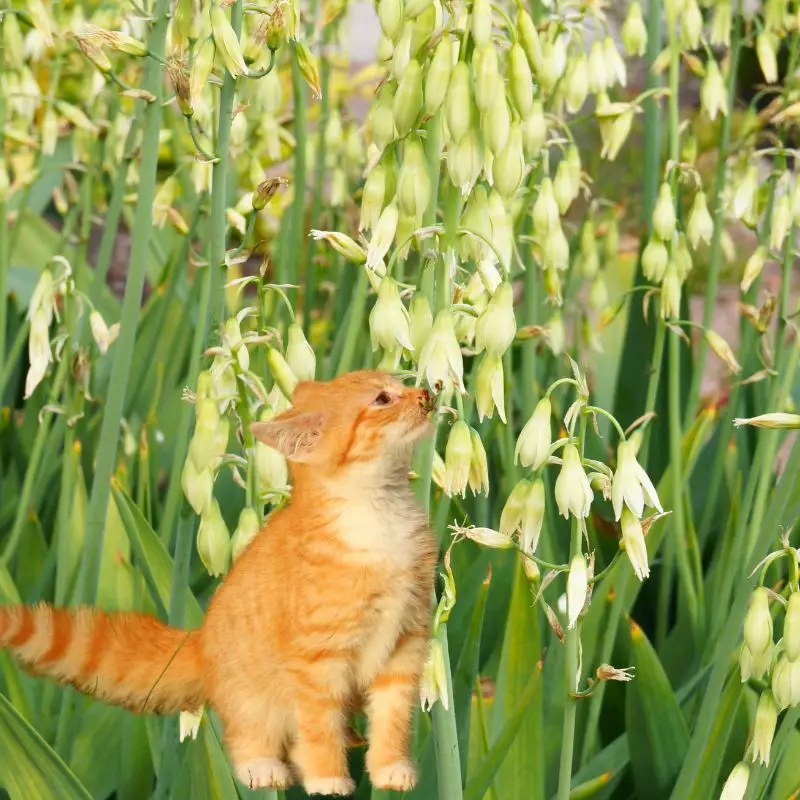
[(265, 773), (332, 786), (401, 777)]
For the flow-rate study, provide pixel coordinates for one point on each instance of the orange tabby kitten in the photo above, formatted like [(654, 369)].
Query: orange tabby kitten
[(326, 611)]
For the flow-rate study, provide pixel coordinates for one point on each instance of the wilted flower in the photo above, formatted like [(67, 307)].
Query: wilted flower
[(214, 540), (758, 636), (791, 627), (774, 420), (572, 490), (577, 587), (496, 326), (786, 683), (605, 672), (753, 267), (457, 459), (635, 547), (245, 532), (489, 388), (440, 360), (736, 785), (634, 31), (307, 64), (700, 226), (478, 466), (533, 443), (764, 728), (433, 685), (723, 350), (631, 485), (226, 40)]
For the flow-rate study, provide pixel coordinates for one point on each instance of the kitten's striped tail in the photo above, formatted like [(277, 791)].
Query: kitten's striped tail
[(128, 659)]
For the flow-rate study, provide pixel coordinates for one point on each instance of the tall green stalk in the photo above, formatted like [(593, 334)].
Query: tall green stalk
[(4, 229)]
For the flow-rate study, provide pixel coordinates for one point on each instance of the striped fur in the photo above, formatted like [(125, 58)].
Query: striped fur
[(326, 612)]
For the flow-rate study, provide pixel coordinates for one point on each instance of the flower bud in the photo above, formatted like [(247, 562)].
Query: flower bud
[(502, 236), (723, 350), (342, 244), (488, 83), (197, 486), (556, 333), (388, 320), (764, 728), (420, 320), (545, 209), (408, 99), (382, 235), (767, 59), (496, 326), (13, 42), (682, 257), (457, 459), (556, 249), (572, 489), (440, 360), (300, 355), (283, 376), (634, 31), (478, 467), (437, 79), (791, 627), (615, 121), (774, 421), (390, 17), (372, 197), (202, 448), (533, 444), (534, 130), (745, 192), (713, 95), (226, 40), (691, 25), (532, 518), (786, 683), (514, 508), (245, 532), (307, 64), (508, 166), (781, 222), (413, 8), (598, 293), (577, 588), (213, 540), (554, 58), (481, 22), (201, 68), (271, 467), (529, 39), (736, 785), (465, 161), (490, 388), (700, 225), (381, 118), (615, 66), (576, 84), (598, 79), (413, 182), (671, 293), (758, 631), (458, 103), (722, 23), (433, 684), (753, 267), (520, 81), (664, 213), (564, 187), (634, 544)]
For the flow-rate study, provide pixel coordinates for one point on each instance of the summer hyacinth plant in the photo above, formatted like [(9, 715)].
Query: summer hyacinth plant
[(515, 224)]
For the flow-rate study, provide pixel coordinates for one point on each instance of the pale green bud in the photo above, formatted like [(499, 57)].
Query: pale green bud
[(401, 56), (554, 57), (202, 448), (589, 258), (414, 8), (496, 326), (514, 508), (773, 421), (691, 25), (226, 40), (598, 78), (758, 630), (534, 130), (457, 459), (508, 166), (271, 467), (388, 320), (382, 117), (745, 192), (753, 267), (245, 532), (545, 209), (556, 249), (796, 202), (342, 244), (786, 683), (572, 490), (481, 22), (766, 46), (201, 68), (390, 17), (556, 332), (532, 518), (713, 94), (385, 52), (502, 226), (791, 628), (458, 103), (735, 786), (197, 486), (424, 26), (420, 320), (440, 361), (664, 213), (232, 339), (408, 99), (300, 355), (13, 42), (39, 353), (634, 31), (465, 161), (682, 257), (577, 588), (520, 81), (611, 240), (722, 23), (700, 226), (781, 221), (478, 467), (598, 293), (529, 39), (655, 258), (533, 444), (634, 544), (615, 121), (564, 189), (488, 82), (576, 85), (615, 66), (413, 181), (489, 387), (437, 79), (476, 218), (433, 683), (214, 540), (764, 728), (307, 64), (281, 373), (671, 293)]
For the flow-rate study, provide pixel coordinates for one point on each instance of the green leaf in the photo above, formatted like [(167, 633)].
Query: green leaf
[(206, 774), (658, 737), (29, 768)]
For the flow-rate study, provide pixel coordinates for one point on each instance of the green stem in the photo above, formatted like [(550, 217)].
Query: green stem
[(4, 228), (355, 319)]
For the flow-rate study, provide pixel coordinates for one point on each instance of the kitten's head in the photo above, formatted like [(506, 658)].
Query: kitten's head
[(360, 417)]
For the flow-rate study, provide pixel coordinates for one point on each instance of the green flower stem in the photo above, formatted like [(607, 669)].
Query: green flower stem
[(14, 353), (571, 663), (718, 210), (4, 227), (355, 321)]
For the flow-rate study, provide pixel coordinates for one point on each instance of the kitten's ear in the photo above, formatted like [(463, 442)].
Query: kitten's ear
[(295, 435)]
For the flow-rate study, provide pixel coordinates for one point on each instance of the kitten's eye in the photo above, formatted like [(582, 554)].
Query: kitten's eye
[(383, 399)]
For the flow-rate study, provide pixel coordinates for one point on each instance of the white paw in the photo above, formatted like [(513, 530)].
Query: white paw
[(400, 776), (335, 786), (264, 773)]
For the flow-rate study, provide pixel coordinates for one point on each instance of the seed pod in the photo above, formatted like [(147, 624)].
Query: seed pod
[(458, 103), (520, 81), (438, 78), (408, 99)]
